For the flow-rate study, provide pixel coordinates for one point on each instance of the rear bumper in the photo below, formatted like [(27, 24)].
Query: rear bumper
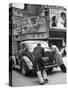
[(49, 66)]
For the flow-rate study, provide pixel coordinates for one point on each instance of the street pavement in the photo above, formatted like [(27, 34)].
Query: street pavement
[(56, 77)]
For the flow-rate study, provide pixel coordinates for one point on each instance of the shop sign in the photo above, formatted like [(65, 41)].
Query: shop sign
[(30, 25), (33, 24)]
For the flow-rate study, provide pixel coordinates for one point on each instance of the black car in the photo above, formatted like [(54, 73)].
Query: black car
[(24, 58)]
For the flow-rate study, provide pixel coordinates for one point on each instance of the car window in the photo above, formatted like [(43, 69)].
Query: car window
[(34, 44), (43, 44)]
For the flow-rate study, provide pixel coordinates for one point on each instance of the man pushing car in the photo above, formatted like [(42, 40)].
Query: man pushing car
[(39, 64), (58, 57)]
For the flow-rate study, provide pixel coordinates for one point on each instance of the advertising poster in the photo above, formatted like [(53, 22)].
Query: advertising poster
[(57, 18), (33, 25)]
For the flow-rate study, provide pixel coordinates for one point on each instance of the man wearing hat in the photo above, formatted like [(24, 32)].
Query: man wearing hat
[(39, 63)]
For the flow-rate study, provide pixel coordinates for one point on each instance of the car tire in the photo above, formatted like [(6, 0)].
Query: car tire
[(49, 70), (24, 68)]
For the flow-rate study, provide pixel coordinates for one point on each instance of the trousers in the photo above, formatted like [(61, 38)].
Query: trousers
[(38, 64)]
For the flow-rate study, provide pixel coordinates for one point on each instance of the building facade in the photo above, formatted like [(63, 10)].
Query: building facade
[(57, 29), (38, 22)]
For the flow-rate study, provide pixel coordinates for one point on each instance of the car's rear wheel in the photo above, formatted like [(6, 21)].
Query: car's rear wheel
[(24, 68), (49, 70)]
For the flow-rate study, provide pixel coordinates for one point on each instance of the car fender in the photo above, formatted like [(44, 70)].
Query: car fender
[(28, 62)]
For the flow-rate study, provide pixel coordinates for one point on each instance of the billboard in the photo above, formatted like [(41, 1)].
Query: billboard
[(33, 25), (57, 18)]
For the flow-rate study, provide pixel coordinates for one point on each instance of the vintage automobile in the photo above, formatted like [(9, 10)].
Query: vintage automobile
[(24, 60)]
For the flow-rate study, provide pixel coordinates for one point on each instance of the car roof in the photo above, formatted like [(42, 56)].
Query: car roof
[(33, 42)]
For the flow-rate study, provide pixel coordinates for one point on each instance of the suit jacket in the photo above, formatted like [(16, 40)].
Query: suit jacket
[(38, 52)]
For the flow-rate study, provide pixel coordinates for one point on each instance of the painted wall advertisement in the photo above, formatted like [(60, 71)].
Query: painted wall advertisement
[(57, 18), (33, 26)]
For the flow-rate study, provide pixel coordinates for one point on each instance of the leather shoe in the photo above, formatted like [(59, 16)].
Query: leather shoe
[(46, 80)]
